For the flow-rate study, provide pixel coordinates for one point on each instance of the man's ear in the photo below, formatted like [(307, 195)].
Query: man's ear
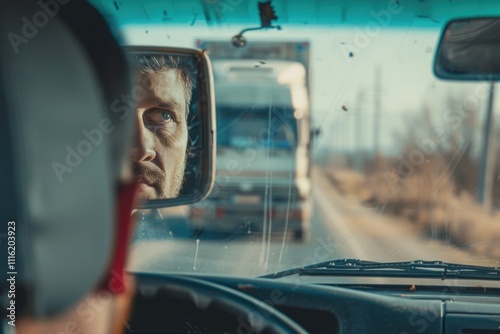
[(115, 282)]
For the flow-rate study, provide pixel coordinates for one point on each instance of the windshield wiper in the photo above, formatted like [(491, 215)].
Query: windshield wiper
[(414, 269)]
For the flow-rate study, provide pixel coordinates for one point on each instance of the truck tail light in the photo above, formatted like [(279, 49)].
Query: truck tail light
[(295, 214), (220, 212), (196, 212)]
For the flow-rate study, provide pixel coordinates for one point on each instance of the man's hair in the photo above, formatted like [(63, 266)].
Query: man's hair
[(149, 64)]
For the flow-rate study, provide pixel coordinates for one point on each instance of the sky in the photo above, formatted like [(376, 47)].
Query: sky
[(344, 83)]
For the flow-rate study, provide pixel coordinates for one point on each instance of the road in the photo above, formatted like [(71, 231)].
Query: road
[(340, 228)]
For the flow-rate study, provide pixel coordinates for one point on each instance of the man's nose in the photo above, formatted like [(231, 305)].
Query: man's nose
[(143, 147)]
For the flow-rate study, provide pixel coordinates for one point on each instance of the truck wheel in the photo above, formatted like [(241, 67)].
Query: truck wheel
[(300, 235), (197, 232)]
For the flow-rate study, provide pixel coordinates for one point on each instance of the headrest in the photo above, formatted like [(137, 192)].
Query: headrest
[(64, 137)]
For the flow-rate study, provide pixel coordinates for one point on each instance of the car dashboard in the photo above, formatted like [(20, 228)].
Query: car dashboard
[(319, 308)]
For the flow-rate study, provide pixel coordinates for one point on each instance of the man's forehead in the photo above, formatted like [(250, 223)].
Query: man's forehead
[(164, 88)]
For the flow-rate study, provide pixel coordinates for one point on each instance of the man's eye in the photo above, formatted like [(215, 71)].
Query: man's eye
[(158, 117), (166, 116)]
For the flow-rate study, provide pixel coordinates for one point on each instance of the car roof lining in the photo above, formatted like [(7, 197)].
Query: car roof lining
[(422, 13)]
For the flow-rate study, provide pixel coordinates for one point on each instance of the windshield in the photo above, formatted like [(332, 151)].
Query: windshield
[(236, 127), (387, 162)]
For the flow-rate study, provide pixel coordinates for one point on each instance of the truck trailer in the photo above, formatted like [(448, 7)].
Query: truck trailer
[(263, 179)]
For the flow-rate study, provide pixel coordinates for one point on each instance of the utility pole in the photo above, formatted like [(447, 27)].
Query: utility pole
[(332, 149), (358, 133), (376, 116), (341, 143), (487, 159)]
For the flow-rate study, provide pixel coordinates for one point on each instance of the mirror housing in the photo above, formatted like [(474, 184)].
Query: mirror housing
[(173, 157), (469, 49)]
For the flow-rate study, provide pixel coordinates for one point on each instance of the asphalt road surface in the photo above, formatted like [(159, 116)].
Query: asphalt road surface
[(339, 229)]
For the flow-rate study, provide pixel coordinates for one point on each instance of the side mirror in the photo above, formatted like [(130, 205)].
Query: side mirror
[(469, 49), (173, 154)]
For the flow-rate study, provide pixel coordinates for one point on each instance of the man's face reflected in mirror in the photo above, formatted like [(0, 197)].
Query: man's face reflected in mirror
[(159, 153)]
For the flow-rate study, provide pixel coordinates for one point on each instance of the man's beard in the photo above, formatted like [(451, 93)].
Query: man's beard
[(164, 187)]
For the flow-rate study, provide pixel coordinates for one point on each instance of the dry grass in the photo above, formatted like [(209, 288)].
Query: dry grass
[(428, 202), (434, 192)]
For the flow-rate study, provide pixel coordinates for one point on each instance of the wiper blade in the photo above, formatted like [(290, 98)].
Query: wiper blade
[(414, 269)]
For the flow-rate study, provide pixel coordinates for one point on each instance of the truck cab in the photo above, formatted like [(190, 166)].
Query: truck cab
[(263, 159)]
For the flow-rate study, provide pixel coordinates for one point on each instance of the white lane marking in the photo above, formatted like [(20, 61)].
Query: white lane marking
[(337, 225)]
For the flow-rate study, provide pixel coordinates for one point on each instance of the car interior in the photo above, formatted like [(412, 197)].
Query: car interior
[(80, 59)]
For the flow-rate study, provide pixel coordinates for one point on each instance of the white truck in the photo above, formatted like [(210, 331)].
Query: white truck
[(263, 150)]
